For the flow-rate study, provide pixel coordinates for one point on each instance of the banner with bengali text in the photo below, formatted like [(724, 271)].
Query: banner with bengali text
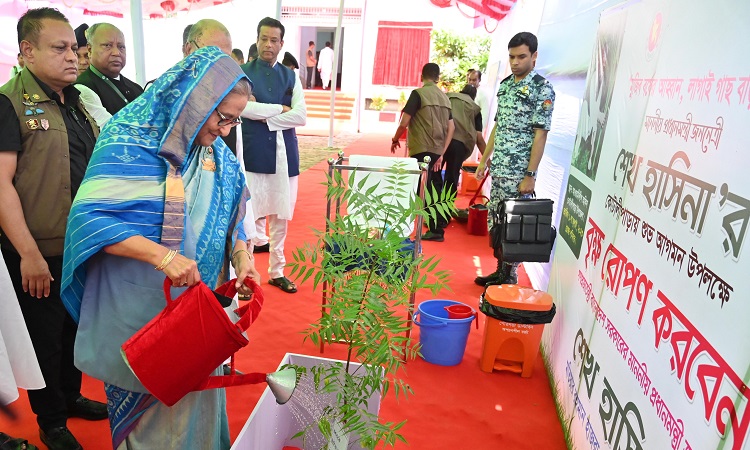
[(649, 349)]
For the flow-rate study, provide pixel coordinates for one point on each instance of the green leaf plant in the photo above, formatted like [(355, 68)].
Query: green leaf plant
[(378, 102), (368, 273)]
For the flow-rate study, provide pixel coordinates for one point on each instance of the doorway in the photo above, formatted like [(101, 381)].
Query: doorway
[(319, 35)]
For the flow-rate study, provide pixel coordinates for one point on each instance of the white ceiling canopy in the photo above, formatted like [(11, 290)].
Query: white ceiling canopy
[(152, 9)]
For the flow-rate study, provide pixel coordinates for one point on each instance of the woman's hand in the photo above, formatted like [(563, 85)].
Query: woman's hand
[(244, 266), (182, 271)]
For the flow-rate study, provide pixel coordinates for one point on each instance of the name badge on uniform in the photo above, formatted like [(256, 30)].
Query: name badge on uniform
[(32, 124)]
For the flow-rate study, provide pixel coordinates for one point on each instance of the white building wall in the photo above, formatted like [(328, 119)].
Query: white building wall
[(163, 37)]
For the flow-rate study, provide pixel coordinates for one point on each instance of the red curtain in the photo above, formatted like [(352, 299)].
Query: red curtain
[(402, 49)]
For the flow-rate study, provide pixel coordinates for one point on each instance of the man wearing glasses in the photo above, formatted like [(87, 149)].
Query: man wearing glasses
[(270, 147)]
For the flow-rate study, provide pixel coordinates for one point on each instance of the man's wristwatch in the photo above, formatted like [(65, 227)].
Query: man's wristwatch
[(531, 173)]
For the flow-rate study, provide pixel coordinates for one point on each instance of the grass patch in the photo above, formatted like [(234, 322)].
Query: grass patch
[(314, 149), (564, 422)]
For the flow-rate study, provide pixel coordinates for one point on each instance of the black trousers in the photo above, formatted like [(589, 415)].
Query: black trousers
[(53, 334), (310, 77), (453, 158), (434, 180)]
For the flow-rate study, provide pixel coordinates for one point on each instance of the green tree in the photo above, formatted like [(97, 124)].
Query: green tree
[(456, 54), (369, 273)]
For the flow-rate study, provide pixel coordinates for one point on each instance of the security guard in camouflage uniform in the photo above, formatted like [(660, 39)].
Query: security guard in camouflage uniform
[(525, 101)]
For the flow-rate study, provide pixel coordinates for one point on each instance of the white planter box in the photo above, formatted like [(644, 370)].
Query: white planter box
[(271, 426)]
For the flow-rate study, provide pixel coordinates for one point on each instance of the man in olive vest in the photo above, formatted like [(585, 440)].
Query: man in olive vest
[(427, 115), (46, 142), (467, 116), (107, 57)]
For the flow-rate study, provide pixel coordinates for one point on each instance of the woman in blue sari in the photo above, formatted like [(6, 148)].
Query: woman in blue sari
[(161, 192)]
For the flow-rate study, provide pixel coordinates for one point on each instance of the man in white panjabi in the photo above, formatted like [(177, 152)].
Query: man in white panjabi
[(270, 150), (474, 78), (325, 64)]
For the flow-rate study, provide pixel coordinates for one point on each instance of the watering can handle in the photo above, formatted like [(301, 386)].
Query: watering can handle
[(427, 325), (479, 190), (474, 199)]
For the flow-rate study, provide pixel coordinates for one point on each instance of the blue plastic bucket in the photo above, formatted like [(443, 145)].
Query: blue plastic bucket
[(443, 340)]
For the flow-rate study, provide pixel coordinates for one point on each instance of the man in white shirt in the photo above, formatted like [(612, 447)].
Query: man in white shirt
[(325, 64), (270, 148), (474, 78)]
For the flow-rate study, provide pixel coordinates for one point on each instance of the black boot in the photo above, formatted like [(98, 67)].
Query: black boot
[(510, 273), (505, 274), (493, 278)]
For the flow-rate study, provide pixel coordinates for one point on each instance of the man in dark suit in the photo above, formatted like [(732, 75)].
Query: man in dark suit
[(107, 56)]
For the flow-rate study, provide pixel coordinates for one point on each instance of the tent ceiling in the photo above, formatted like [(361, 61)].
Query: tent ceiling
[(153, 9), (496, 9)]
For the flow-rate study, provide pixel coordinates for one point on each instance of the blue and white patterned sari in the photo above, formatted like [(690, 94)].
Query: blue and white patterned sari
[(146, 177)]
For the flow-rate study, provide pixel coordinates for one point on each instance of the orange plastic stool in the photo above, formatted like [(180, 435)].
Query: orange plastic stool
[(469, 183), (512, 346)]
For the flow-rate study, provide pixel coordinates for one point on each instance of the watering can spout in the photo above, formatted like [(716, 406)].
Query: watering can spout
[(282, 384)]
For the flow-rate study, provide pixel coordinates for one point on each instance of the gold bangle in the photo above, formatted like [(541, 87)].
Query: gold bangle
[(249, 256), (167, 259)]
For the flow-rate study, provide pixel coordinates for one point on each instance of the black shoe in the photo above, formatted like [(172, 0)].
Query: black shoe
[(59, 438), (11, 443), (432, 236), (87, 409), (261, 248)]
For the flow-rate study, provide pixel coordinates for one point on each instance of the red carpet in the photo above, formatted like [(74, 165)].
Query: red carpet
[(457, 407)]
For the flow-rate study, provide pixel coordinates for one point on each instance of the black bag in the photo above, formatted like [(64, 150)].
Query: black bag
[(511, 315), (522, 230)]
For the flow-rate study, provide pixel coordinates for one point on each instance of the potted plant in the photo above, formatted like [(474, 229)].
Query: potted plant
[(368, 271), (402, 100), (377, 102)]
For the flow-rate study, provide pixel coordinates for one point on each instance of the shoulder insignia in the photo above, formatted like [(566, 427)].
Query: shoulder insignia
[(538, 79), (506, 78)]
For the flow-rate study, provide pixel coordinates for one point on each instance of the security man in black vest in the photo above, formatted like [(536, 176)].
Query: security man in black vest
[(107, 58)]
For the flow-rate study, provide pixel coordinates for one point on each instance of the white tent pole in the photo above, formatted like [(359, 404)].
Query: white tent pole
[(136, 23), (360, 103), (278, 9), (336, 52)]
